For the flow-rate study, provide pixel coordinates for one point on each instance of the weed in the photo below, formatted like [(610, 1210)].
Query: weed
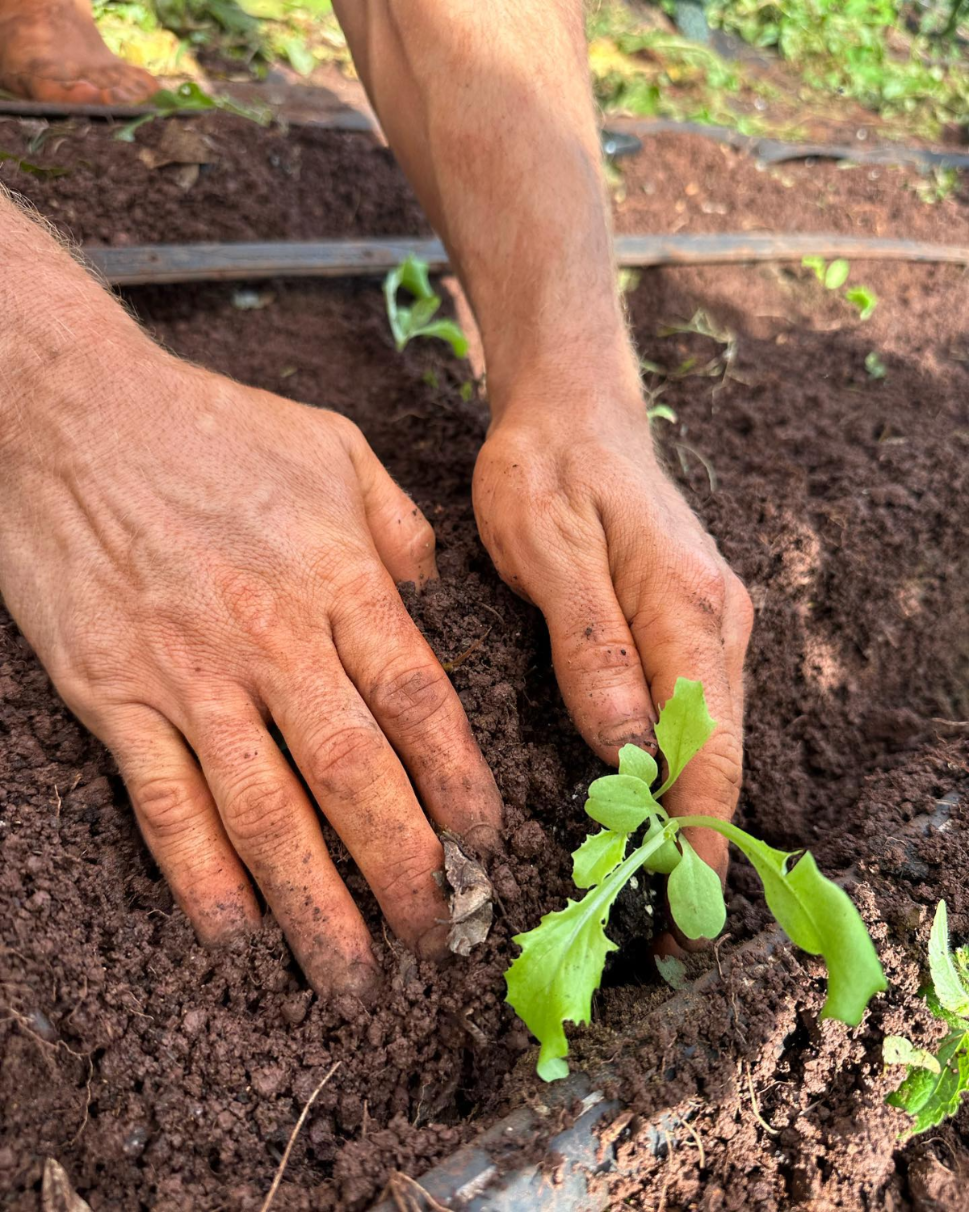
[(406, 323), (936, 1082), (189, 98), (560, 966)]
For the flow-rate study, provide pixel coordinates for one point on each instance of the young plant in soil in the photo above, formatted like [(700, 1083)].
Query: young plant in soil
[(936, 1082), (417, 320), (561, 961)]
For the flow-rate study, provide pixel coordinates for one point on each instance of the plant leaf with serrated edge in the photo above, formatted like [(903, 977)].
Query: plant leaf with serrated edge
[(684, 727), (695, 895), (621, 802), (932, 1097), (638, 763), (897, 1050), (949, 989), (599, 854), (560, 966), (817, 916)]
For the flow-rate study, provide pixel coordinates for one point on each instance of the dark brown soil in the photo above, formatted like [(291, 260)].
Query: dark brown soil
[(164, 1076)]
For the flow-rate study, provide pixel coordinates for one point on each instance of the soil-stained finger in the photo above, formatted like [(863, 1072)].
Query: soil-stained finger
[(274, 829), (181, 825), (362, 789), (412, 699)]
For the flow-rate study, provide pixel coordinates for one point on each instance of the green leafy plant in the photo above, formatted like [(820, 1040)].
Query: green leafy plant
[(834, 275), (560, 966), (935, 1083), (875, 366), (189, 98), (417, 320), (864, 298)]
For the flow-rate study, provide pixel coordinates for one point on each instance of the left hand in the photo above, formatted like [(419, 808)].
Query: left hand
[(580, 519)]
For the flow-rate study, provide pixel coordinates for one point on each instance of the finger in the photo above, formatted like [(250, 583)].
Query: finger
[(364, 793), (181, 826), (690, 643), (402, 535), (595, 654), (275, 831), (418, 710)]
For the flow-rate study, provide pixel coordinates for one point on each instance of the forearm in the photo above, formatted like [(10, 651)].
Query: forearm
[(63, 338), (489, 111)]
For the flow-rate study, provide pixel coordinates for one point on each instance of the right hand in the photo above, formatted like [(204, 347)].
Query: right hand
[(191, 559)]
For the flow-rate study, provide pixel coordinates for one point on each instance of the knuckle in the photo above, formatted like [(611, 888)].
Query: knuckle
[(422, 541), (258, 813), (706, 583), (723, 762), (410, 696), (344, 762), (167, 805)]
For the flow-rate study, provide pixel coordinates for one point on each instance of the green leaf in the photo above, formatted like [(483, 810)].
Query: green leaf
[(422, 312), (817, 916), (661, 412), (695, 895), (875, 366), (672, 970), (448, 331), (683, 729), (415, 277), (621, 802), (599, 854), (816, 264), (864, 299), (638, 763), (932, 1097), (560, 966), (897, 1050), (665, 859), (836, 274), (949, 989)]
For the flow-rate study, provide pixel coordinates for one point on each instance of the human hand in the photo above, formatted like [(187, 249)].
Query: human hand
[(191, 559), (579, 519)]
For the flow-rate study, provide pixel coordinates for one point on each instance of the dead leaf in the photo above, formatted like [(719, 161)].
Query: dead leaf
[(185, 176), (472, 905), (179, 144), (57, 1192)]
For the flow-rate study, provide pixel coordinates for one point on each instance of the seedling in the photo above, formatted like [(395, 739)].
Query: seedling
[(936, 1082), (875, 366), (406, 323), (835, 275), (561, 961), (189, 98)]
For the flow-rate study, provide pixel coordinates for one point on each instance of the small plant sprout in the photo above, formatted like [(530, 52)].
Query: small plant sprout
[(875, 366), (561, 961), (189, 98), (834, 275), (936, 1082), (417, 320), (864, 299)]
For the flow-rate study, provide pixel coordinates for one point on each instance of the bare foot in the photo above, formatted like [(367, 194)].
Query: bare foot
[(50, 50)]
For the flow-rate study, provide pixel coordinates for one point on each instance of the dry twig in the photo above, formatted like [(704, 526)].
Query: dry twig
[(284, 1160)]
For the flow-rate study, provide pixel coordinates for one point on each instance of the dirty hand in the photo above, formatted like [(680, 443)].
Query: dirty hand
[(192, 559), (579, 519)]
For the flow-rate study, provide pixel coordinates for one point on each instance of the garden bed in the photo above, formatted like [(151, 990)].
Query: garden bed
[(162, 1075)]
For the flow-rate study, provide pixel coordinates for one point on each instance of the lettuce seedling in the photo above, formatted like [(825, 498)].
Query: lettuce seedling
[(406, 323), (936, 1082), (560, 966)]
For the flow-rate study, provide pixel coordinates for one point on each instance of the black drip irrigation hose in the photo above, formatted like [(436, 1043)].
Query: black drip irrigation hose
[(157, 263), (472, 1180)]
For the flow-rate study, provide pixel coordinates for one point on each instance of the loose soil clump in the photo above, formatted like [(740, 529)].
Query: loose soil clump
[(163, 1075)]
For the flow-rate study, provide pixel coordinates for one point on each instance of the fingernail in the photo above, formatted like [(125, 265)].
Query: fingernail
[(362, 980), (483, 838), (630, 734)]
